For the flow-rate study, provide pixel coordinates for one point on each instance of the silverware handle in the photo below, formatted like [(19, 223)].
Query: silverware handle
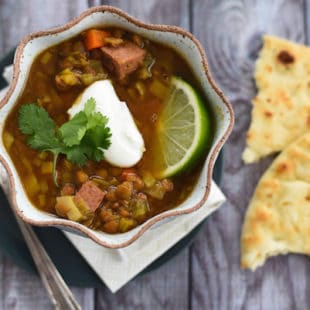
[(58, 291)]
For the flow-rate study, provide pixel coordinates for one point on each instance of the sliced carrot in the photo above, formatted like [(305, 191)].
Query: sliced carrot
[(95, 38)]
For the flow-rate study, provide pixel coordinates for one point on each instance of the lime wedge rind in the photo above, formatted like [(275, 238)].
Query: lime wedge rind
[(184, 105)]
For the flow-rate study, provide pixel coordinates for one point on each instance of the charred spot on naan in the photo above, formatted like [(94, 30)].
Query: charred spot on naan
[(285, 57)]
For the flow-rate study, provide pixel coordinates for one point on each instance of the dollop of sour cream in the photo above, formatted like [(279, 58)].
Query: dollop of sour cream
[(127, 145)]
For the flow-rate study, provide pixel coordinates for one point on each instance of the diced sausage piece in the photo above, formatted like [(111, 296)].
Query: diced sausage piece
[(68, 190), (91, 194), (123, 59)]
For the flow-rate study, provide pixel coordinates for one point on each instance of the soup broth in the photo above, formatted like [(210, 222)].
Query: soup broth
[(132, 195)]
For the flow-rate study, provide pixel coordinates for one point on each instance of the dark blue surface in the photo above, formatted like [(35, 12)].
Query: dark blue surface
[(67, 259)]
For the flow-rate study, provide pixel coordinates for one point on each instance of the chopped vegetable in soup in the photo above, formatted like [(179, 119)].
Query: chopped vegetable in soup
[(87, 126)]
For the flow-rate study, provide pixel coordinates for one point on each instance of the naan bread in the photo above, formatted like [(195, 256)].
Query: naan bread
[(281, 109), (278, 218)]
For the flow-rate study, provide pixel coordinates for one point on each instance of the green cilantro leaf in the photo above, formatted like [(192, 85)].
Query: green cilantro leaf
[(90, 106), (96, 119), (98, 136), (35, 122), (83, 138), (77, 154), (33, 118), (74, 130)]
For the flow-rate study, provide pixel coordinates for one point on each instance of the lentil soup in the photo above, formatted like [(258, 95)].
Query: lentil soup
[(99, 194)]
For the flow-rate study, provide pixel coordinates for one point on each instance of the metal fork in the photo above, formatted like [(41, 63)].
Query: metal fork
[(58, 291)]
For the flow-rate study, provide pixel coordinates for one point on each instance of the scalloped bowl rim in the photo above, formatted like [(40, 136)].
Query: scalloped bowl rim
[(174, 36)]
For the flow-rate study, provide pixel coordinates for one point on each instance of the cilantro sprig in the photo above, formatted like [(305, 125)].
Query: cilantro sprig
[(82, 138)]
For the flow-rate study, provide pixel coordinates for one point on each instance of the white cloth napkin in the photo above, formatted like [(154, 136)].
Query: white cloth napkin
[(116, 267)]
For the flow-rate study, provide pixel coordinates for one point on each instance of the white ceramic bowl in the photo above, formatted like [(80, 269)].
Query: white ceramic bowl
[(182, 41)]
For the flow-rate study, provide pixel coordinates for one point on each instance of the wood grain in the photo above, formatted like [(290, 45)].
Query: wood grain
[(172, 12), (206, 276), (232, 37), (164, 288), (18, 18), (18, 289)]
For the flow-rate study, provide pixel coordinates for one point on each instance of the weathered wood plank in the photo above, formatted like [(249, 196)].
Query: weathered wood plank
[(18, 289), (307, 20), (167, 287), (164, 288), (18, 18), (172, 12), (21, 290), (231, 32)]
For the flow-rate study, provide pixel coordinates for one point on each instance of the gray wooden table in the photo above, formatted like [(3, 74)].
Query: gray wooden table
[(206, 275)]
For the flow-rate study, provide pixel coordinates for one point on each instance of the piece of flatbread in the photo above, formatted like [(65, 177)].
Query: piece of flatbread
[(278, 217), (281, 109)]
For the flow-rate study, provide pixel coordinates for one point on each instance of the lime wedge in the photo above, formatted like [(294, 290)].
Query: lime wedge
[(184, 129)]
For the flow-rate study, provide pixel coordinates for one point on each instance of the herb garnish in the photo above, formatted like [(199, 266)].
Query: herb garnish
[(82, 138)]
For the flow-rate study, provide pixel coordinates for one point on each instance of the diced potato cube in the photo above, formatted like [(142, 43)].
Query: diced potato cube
[(42, 155), (158, 89), (148, 179), (31, 184), (42, 200), (139, 208), (82, 206), (43, 186), (140, 88), (47, 167), (8, 139), (46, 58), (75, 215), (26, 164), (126, 224), (156, 191), (66, 207)]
